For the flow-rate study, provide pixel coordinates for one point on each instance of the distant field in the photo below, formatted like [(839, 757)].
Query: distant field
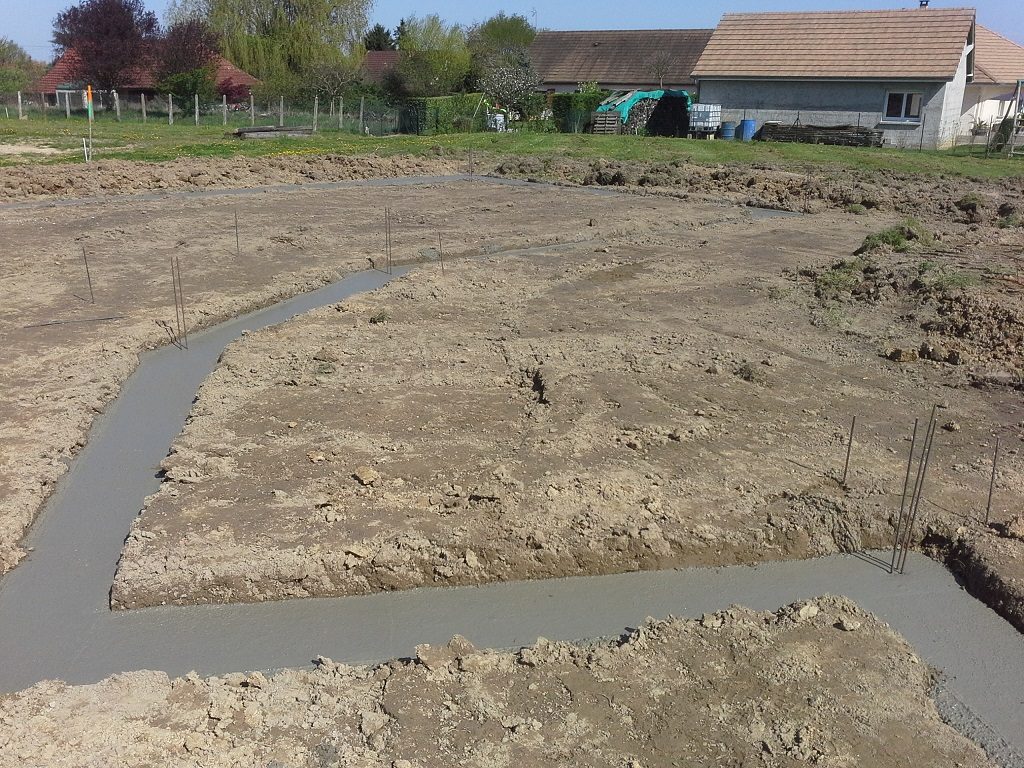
[(33, 141)]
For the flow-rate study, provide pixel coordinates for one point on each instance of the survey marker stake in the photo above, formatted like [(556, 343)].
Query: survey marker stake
[(440, 252)]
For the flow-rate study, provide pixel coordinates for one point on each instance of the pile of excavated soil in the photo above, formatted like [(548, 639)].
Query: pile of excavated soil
[(109, 177), (807, 190), (816, 683), (64, 357), (648, 403)]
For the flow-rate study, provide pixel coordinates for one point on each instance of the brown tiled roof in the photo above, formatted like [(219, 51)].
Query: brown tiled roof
[(919, 43), (376, 64), (63, 73), (996, 59), (618, 57)]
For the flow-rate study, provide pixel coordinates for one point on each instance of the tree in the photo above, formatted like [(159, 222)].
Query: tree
[(335, 77), (186, 60), (510, 80), (379, 39), (501, 34), (435, 60), (111, 38), (17, 69), (279, 41)]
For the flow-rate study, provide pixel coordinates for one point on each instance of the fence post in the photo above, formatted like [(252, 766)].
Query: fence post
[(341, 113), (252, 109), (224, 106), (117, 105), (196, 97), (362, 102), (21, 115), (316, 110), (67, 105), (143, 100), (170, 109), (280, 119)]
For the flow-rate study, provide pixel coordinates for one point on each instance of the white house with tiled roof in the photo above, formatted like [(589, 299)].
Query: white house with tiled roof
[(902, 72), (998, 65)]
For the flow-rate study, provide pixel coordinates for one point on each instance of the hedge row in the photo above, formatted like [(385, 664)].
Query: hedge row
[(572, 111), (460, 113)]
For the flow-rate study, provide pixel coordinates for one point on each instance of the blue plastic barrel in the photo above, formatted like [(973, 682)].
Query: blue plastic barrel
[(747, 130), (728, 130)]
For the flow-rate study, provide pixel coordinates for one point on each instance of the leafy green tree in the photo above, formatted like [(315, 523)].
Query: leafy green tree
[(17, 69), (501, 34), (186, 59), (110, 38), (435, 61), (379, 39)]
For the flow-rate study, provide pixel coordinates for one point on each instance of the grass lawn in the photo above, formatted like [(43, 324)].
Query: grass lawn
[(156, 141)]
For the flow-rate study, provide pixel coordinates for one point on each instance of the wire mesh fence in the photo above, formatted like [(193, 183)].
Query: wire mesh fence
[(322, 114)]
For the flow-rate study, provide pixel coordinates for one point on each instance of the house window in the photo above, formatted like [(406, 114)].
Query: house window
[(903, 107)]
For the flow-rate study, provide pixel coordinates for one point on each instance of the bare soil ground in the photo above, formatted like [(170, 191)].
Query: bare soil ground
[(818, 683), (64, 357), (676, 392)]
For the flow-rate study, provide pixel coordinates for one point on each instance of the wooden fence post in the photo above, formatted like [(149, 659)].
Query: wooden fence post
[(170, 109), (117, 105), (280, 119), (362, 102), (142, 98), (67, 104), (197, 108), (21, 114), (316, 109), (224, 106), (252, 109), (341, 113)]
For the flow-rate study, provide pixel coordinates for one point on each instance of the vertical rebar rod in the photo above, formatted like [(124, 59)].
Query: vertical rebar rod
[(916, 503), (849, 450), (903, 499), (181, 295), (238, 245), (440, 252), (992, 483), (88, 276), (177, 310)]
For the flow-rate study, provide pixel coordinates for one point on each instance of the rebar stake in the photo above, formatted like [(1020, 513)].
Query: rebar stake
[(88, 276), (992, 482), (440, 252), (903, 499), (849, 450)]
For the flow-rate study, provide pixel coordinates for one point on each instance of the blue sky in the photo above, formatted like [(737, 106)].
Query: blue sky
[(28, 22)]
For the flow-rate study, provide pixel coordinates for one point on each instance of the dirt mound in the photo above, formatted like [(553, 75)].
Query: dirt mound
[(844, 689), (110, 177)]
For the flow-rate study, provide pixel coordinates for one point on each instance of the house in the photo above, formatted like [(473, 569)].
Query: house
[(377, 65), (624, 60), (998, 66), (59, 83), (903, 72)]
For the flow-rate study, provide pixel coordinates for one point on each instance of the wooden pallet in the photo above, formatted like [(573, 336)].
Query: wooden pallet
[(609, 122)]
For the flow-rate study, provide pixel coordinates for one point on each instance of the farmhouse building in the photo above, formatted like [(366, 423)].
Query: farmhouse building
[(618, 60), (61, 83), (902, 72)]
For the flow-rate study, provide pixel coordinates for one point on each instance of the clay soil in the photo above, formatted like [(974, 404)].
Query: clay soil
[(819, 683), (65, 357), (675, 389)]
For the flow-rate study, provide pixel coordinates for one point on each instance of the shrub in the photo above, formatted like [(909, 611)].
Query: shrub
[(572, 111), (461, 113)]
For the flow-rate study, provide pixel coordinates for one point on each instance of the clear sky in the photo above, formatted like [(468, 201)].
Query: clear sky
[(29, 22)]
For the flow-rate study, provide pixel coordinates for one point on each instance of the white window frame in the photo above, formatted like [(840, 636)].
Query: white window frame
[(907, 98)]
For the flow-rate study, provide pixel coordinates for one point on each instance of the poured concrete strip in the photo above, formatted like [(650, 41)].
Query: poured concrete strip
[(55, 622)]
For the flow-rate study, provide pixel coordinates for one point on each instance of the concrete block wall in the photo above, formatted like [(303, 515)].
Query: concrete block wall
[(828, 103)]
